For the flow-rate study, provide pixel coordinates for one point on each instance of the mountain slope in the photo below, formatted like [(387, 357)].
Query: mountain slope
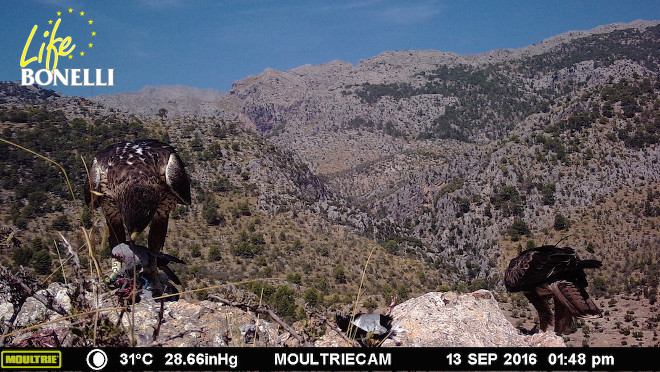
[(465, 153), (409, 94), (255, 215)]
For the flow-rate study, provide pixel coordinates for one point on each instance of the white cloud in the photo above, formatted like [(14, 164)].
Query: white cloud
[(411, 13)]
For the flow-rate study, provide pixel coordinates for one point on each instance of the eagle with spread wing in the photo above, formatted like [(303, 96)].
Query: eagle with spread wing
[(553, 272), (137, 184)]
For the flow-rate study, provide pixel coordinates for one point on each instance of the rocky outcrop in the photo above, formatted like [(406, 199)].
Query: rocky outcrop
[(29, 94), (204, 323), (449, 319), (184, 323), (434, 319), (178, 100)]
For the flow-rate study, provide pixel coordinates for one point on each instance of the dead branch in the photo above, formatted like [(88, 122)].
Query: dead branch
[(18, 291), (160, 320), (47, 301)]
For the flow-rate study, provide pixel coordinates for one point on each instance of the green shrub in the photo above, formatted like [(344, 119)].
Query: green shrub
[(214, 252), (42, 262), (312, 296), (561, 223), (518, 228), (22, 255)]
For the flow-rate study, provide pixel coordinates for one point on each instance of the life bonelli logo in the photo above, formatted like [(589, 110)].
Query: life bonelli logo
[(55, 48)]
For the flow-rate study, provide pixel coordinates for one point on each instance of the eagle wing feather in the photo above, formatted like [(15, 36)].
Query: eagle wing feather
[(539, 265), (177, 179)]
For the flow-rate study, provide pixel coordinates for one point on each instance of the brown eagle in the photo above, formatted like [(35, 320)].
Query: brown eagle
[(137, 184), (553, 272)]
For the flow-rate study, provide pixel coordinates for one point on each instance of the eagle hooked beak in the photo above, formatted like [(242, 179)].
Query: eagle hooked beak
[(134, 236)]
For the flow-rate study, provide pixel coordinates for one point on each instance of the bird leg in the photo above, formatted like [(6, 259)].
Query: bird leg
[(157, 233), (539, 300)]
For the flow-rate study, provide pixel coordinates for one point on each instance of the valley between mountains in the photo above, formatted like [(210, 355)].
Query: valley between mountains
[(410, 172)]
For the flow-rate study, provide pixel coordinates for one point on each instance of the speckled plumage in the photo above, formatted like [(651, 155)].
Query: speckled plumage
[(137, 184)]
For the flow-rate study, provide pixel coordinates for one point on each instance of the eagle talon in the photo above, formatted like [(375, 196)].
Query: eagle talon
[(133, 238)]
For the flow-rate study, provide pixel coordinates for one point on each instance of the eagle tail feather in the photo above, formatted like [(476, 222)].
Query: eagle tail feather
[(164, 258), (563, 318), (574, 299)]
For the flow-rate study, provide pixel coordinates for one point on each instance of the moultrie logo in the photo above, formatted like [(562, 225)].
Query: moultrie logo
[(54, 49), (31, 359)]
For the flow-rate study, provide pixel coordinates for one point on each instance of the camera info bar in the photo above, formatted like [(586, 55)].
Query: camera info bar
[(317, 359)]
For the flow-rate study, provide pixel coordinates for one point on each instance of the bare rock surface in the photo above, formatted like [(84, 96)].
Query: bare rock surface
[(178, 99), (449, 319), (436, 319), (184, 323), (202, 324)]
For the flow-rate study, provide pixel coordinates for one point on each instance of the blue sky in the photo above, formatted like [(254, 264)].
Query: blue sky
[(210, 44)]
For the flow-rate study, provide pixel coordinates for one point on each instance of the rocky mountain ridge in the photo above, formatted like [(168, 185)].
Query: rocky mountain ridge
[(466, 151), (179, 100)]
